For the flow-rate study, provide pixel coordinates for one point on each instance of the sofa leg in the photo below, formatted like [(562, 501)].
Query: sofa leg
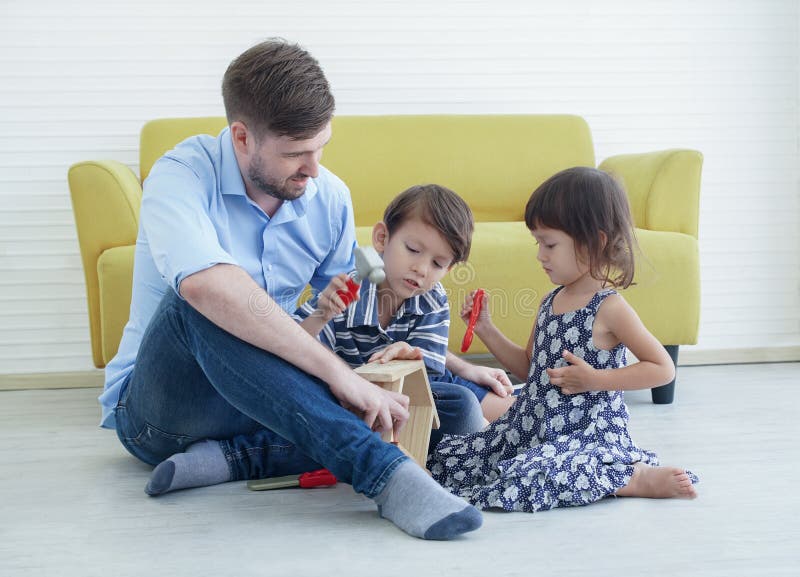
[(665, 394)]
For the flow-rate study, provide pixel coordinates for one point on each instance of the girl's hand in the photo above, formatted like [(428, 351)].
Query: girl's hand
[(484, 318), (577, 377), (399, 350), (495, 380), (329, 303)]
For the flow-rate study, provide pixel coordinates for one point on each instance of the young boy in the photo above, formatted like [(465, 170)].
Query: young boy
[(424, 232)]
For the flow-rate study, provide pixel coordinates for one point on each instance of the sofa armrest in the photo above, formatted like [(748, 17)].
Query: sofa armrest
[(666, 289), (663, 188), (105, 201), (115, 275)]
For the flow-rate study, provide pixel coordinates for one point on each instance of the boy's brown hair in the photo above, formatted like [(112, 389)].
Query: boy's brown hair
[(278, 87), (585, 202), (436, 206)]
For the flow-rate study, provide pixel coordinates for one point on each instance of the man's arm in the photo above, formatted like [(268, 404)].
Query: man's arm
[(228, 297)]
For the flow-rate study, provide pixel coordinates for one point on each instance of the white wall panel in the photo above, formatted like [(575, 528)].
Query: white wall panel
[(78, 80)]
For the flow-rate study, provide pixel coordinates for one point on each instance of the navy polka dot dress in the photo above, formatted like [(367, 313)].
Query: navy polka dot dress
[(549, 450)]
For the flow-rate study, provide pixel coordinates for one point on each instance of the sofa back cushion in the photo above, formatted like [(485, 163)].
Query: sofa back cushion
[(493, 161)]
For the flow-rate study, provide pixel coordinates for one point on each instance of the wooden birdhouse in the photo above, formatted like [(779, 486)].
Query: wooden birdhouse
[(410, 379)]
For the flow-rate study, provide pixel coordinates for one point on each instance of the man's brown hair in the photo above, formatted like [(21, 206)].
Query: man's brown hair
[(278, 87), (436, 206)]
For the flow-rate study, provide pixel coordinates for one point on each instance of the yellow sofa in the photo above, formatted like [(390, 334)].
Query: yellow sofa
[(493, 161)]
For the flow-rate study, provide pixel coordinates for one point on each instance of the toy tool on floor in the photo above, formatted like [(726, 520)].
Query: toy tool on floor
[(369, 265), (477, 303), (318, 478)]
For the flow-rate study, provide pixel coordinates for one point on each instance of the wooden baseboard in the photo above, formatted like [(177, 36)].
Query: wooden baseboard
[(689, 357), (686, 357), (72, 380)]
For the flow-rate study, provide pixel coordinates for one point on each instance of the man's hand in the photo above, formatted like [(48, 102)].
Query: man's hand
[(330, 303), (380, 409), (399, 350), (575, 378)]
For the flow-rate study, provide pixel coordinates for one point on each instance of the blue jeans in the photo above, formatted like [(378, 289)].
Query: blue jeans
[(194, 381), (459, 411), (479, 391)]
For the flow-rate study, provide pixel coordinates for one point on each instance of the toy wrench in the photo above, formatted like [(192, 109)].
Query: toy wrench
[(477, 303)]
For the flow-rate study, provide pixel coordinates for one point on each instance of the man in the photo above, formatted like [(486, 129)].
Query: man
[(211, 372)]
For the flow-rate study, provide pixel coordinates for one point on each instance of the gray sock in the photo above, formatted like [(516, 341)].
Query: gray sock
[(202, 464), (417, 504)]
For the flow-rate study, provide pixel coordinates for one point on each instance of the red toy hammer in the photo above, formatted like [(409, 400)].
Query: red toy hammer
[(369, 265)]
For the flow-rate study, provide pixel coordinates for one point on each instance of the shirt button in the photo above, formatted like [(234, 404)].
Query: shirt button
[(269, 267)]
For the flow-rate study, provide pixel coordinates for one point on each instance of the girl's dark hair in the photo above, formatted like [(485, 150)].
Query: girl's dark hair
[(584, 202), (438, 207), (278, 87)]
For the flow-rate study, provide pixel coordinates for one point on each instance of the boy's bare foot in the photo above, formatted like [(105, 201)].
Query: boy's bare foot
[(658, 483)]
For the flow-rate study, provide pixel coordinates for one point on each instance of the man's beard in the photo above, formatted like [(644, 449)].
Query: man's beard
[(281, 192)]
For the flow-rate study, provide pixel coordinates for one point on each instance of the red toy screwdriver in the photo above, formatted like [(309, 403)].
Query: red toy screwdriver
[(318, 478), (477, 303)]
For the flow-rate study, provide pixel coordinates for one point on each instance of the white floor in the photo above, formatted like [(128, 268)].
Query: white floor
[(72, 503)]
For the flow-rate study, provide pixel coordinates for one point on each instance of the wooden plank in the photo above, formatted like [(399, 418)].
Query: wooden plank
[(386, 372), (68, 380)]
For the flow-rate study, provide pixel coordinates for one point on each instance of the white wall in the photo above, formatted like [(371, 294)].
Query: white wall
[(78, 80)]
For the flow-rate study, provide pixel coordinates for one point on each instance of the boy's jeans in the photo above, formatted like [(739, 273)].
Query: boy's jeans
[(194, 381)]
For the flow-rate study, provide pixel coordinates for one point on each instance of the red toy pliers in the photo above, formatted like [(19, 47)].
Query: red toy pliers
[(477, 304)]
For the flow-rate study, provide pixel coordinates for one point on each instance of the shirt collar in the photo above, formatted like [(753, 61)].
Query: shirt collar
[(365, 311), (233, 184)]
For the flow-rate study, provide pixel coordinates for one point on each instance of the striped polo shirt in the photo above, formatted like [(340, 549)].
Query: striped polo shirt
[(355, 334)]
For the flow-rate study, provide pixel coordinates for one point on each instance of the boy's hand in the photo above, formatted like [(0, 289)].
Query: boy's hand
[(490, 378), (574, 378), (329, 303), (399, 350)]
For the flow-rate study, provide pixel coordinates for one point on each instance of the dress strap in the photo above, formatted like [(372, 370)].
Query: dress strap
[(598, 299), (548, 300)]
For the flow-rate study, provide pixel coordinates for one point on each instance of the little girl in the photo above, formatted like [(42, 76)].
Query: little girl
[(565, 441)]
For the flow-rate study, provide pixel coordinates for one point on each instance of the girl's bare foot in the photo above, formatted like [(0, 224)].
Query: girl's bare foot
[(658, 483)]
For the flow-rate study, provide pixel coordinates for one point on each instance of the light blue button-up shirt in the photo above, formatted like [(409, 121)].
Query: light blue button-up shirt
[(195, 214)]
